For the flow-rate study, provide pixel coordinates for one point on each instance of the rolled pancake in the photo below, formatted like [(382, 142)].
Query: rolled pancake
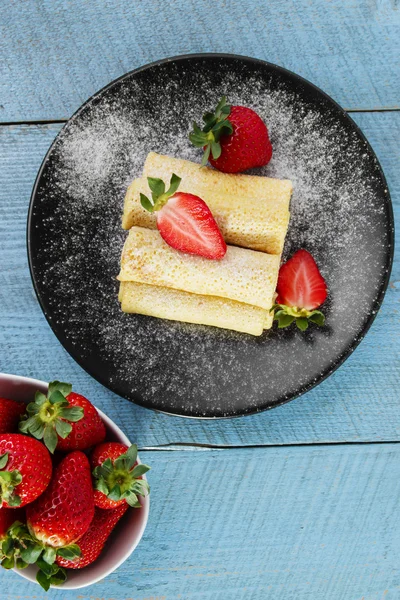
[(175, 305), (204, 178), (260, 224), (243, 275)]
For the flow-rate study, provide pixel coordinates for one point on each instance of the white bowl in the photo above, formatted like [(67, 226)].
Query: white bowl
[(129, 530)]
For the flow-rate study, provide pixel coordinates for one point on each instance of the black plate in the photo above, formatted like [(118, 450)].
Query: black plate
[(341, 212)]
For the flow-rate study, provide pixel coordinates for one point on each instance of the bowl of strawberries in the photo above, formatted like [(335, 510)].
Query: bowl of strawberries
[(74, 499)]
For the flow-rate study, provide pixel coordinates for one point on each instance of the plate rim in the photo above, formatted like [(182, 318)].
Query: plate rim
[(374, 308)]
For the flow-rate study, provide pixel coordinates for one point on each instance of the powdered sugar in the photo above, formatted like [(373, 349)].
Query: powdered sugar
[(337, 213)]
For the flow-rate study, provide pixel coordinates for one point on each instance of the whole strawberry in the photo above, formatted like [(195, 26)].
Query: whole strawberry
[(92, 543), (64, 512), (301, 290), (184, 220), (63, 419), (10, 413), (117, 476), (234, 138), (25, 469)]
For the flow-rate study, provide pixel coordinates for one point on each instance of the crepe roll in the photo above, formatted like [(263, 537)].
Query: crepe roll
[(176, 305), (260, 224), (243, 275), (202, 179)]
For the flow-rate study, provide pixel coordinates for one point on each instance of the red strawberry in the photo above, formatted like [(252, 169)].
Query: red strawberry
[(10, 412), (8, 516), (184, 221), (301, 289), (117, 476), (92, 543), (64, 420), (234, 138), (64, 512), (25, 469)]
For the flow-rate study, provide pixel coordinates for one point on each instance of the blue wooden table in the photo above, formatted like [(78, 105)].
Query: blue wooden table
[(299, 503)]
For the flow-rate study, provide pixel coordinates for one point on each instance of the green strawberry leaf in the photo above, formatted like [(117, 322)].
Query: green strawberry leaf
[(14, 501), (44, 566), (39, 400), (115, 493), (58, 386), (302, 323), (72, 414), (173, 184), (58, 398), (71, 552), (285, 320), (318, 318), (50, 438), (7, 547), (43, 580), (49, 555), (59, 577), (33, 425), (140, 470), (206, 155), (101, 485), (31, 552), (157, 187), (216, 150), (63, 428), (146, 203), (9, 480), (3, 460), (133, 500), (21, 564), (141, 487), (7, 563)]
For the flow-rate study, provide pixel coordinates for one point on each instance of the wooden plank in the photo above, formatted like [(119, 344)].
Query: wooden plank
[(53, 60), (358, 403), (250, 524)]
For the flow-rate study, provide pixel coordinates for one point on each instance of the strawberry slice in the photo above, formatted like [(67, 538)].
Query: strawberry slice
[(184, 220), (301, 289)]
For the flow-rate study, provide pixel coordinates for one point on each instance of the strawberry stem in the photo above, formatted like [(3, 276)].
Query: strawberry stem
[(216, 125), (119, 480), (159, 197), (8, 481), (50, 416), (286, 315), (19, 548)]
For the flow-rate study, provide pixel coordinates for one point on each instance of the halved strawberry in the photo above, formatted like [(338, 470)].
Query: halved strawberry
[(234, 138), (64, 419), (301, 289), (184, 220), (117, 476), (10, 412)]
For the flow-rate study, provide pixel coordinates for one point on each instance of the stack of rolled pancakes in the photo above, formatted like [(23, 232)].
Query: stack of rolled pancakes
[(236, 292)]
